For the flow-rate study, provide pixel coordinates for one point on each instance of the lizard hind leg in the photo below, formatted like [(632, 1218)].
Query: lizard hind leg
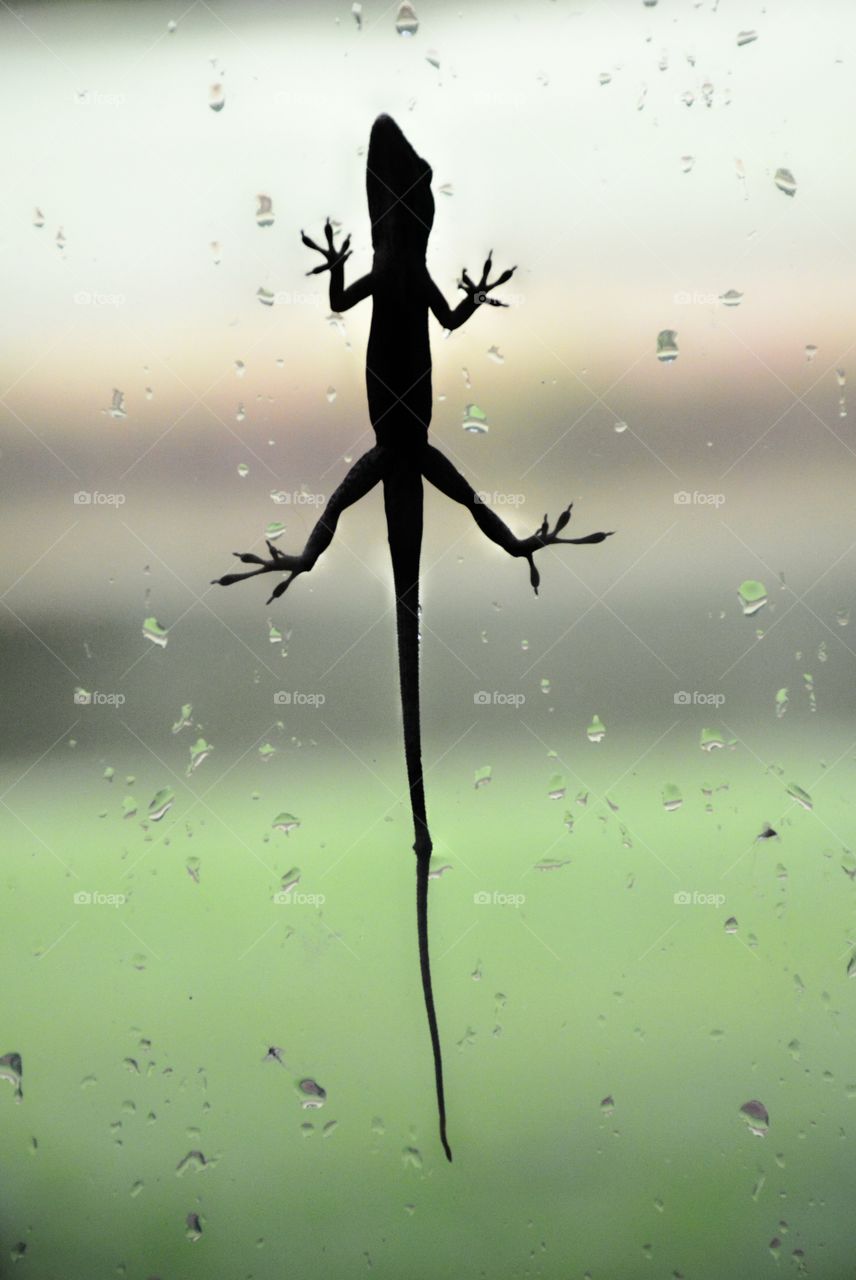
[(444, 476), (363, 476)]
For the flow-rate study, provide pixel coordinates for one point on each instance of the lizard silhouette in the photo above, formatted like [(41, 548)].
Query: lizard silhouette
[(398, 382)]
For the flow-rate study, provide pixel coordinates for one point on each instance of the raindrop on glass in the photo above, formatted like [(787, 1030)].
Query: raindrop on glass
[(475, 420), (153, 631), (406, 21), (596, 730), (672, 798), (752, 596), (285, 822), (755, 1115), (785, 181), (264, 211)]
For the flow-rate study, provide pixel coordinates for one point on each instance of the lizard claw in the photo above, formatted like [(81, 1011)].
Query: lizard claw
[(478, 292), (547, 537), (334, 257)]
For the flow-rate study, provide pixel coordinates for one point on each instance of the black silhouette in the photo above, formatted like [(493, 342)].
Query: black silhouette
[(398, 381)]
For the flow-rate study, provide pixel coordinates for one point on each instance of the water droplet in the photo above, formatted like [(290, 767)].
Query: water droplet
[(194, 1161), (556, 787), (851, 966), (60, 240), (687, 163), (433, 57), (746, 37), (604, 78), (552, 864), (264, 211), (732, 298), (781, 703), (752, 596), (406, 21), (38, 218), (667, 346), (192, 866), (160, 804), (129, 807), (620, 428), (810, 352), (12, 1069), (842, 617), (285, 822), (756, 1117), (545, 685), (240, 368), (313, 1094), (801, 797), (475, 420), (483, 776), (607, 1105), (711, 739), (265, 296), (596, 730), (153, 631), (785, 181), (731, 925), (117, 406), (243, 470), (672, 798), (331, 394), (494, 354), (194, 1227), (216, 251), (183, 720), (357, 11), (274, 530), (411, 1158), (199, 752), (216, 97), (767, 833)]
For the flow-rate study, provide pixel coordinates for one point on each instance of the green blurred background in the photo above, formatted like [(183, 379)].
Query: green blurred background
[(604, 1016)]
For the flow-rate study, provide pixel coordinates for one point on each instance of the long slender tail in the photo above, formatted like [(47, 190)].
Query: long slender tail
[(403, 501)]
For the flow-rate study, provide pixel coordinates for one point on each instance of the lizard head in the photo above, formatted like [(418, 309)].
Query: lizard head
[(398, 184)]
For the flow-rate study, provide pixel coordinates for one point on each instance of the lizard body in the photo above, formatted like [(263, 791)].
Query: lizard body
[(398, 386)]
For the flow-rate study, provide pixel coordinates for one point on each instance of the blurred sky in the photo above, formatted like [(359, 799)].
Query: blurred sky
[(561, 128)]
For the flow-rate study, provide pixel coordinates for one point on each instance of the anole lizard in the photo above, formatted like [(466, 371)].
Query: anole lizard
[(398, 381)]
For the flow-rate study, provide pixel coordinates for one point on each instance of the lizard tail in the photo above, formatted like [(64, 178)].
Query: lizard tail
[(403, 501)]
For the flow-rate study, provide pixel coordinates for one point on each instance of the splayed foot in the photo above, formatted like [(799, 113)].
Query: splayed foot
[(278, 563), (547, 537)]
